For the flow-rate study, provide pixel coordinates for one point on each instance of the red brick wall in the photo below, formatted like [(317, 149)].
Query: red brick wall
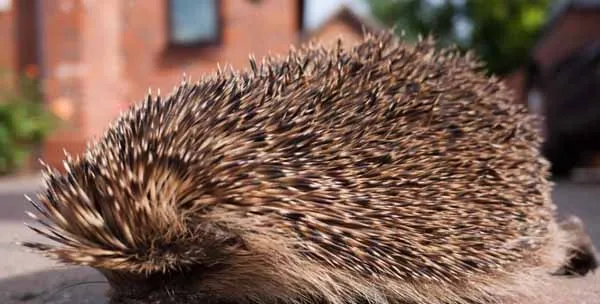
[(334, 29), (570, 32), (270, 25), (100, 55), (8, 60), (62, 32), (26, 33)]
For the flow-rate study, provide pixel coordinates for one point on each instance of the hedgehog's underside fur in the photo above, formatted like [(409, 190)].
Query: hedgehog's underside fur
[(387, 172)]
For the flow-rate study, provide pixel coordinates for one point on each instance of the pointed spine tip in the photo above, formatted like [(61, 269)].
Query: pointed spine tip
[(31, 215), (253, 66)]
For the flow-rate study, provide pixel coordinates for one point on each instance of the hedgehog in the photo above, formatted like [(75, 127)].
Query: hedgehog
[(386, 172)]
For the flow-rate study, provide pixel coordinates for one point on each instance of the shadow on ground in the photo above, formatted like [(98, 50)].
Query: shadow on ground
[(54, 287)]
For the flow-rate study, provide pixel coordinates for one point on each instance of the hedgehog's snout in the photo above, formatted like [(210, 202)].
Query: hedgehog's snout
[(162, 296), (164, 288)]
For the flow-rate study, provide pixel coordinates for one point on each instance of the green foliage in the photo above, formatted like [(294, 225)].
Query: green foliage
[(501, 32), (24, 122)]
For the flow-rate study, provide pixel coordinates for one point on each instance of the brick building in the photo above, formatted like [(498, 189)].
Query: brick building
[(97, 56), (344, 23), (561, 83), (571, 24)]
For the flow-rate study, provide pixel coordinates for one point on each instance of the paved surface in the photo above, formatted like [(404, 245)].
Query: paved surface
[(28, 278)]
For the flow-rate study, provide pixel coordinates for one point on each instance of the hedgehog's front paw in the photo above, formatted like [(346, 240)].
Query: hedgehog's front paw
[(583, 257)]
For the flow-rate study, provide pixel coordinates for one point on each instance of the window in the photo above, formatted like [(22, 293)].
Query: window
[(194, 22)]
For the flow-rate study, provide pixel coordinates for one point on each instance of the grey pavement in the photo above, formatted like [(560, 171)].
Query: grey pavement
[(28, 278)]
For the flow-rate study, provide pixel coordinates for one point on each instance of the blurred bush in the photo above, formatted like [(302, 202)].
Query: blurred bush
[(501, 32), (24, 120)]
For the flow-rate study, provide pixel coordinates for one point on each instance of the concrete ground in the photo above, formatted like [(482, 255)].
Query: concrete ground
[(29, 278)]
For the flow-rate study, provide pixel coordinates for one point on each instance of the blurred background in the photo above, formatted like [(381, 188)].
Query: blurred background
[(67, 67)]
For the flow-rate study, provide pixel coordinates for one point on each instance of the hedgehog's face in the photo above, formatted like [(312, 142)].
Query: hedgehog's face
[(157, 297), (177, 288), (136, 234)]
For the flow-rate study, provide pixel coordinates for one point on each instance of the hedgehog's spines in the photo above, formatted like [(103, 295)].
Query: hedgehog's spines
[(219, 70), (38, 207), (253, 65), (45, 168), (185, 79), (334, 173), (41, 162)]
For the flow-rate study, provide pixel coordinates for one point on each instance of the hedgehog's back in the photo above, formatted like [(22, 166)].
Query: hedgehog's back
[(384, 171), (388, 156)]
